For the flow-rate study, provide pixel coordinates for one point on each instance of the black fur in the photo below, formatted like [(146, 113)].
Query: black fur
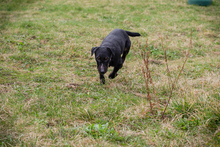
[(115, 44)]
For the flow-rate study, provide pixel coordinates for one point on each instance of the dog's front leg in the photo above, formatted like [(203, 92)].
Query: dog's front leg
[(102, 79)]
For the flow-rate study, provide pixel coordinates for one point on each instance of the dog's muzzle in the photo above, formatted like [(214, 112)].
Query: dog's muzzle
[(102, 69)]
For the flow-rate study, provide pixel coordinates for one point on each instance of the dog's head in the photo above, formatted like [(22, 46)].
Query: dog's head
[(103, 56)]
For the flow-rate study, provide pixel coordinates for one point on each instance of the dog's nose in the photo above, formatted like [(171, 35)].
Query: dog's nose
[(102, 69)]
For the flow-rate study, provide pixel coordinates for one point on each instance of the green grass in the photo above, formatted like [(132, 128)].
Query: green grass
[(49, 85)]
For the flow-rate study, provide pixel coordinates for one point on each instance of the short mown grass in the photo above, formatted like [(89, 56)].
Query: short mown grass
[(49, 84)]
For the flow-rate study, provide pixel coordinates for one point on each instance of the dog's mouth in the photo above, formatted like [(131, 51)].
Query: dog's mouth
[(102, 73)]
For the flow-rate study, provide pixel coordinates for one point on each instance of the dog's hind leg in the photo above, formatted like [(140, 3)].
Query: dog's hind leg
[(102, 79), (126, 50)]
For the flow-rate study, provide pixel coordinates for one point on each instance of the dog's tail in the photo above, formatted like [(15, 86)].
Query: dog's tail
[(132, 34)]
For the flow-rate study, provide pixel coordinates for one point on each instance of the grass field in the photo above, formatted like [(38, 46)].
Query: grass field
[(49, 84)]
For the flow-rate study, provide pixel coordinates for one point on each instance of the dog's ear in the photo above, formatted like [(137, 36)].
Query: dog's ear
[(113, 53), (93, 50)]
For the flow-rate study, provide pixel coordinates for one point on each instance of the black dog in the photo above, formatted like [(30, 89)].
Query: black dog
[(109, 52)]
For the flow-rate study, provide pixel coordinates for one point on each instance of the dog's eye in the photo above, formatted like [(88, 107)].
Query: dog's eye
[(98, 58), (106, 58)]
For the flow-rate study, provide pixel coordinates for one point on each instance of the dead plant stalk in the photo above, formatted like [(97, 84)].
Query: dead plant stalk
[(147, 77), (177, 78)]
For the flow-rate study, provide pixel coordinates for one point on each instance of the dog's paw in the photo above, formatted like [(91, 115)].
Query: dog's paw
[(102, 81), (112, 76)]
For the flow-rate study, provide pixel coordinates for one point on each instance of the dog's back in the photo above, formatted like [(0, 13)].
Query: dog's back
[(118, 35), (118, 38)]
